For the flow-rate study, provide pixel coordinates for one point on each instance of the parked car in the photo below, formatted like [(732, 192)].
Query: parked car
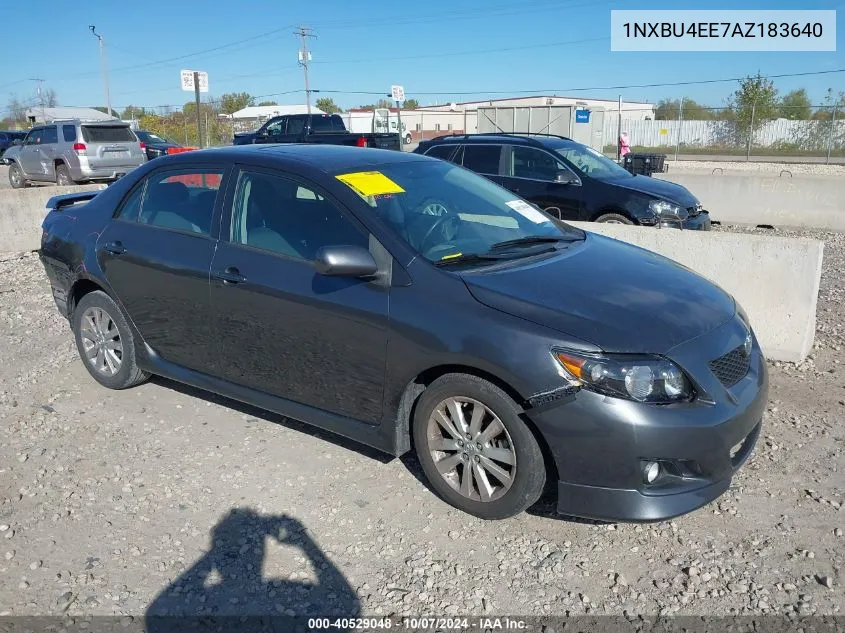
[(325, 129), (73, 151), (571, 181), (8, 138), (153, 145), (386, 296)]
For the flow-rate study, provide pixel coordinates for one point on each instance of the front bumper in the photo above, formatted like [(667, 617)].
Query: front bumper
[(599, 444), (700, 222)]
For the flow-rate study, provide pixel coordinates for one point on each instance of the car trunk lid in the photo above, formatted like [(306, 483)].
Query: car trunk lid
[(110, 146)]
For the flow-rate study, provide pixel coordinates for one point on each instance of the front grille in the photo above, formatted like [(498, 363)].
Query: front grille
[(732, 367)]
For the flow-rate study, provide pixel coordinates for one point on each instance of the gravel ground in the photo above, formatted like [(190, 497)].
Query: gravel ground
[(797, 169), (167, 499)]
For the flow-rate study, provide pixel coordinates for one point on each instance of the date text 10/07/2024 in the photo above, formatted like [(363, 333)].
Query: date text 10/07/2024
[(419, 623)]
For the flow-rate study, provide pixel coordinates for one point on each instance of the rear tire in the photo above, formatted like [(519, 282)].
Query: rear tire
[(614, 218), (16, 177), (476, 452), (105, 342), (63, 178)]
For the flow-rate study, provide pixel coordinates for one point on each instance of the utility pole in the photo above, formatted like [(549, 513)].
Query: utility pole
[(40, 92), (304, 59), (104, 65)]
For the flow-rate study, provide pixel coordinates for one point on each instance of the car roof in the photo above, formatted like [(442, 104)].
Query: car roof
[(326, 158), (544, 140)]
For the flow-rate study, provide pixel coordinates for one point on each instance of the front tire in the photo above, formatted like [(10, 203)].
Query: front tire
[(16, 177), (105, 342), (614, 218), (476, 452)]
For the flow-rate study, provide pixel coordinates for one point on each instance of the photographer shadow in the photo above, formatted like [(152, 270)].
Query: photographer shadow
[(226, 591)]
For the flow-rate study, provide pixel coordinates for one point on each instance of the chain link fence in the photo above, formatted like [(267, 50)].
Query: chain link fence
[(815, 131)]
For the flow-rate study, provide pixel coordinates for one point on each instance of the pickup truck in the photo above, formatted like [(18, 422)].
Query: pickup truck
[(314, 128)]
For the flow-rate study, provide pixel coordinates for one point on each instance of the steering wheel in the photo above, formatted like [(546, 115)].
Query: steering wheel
[(439, 223), (433, 206)]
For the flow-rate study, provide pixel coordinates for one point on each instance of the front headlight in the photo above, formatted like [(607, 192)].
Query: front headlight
[(642, 378), (665, 209)]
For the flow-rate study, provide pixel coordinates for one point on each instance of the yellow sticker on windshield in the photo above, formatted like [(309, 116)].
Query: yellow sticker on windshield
[(370, 183)]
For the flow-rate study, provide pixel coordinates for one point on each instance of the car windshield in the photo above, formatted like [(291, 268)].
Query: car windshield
[(451, 215), (592, 162)]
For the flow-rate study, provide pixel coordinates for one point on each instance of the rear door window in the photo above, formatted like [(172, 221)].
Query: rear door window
[(482, 159), (181, 200), (51, 135), (107, 134), (443, 152)]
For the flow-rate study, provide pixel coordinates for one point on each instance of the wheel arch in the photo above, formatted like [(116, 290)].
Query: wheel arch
[(617, 210), (416, 386), (80, 288)]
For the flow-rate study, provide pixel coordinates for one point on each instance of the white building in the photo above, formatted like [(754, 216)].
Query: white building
[(38, 114), (630, 109)]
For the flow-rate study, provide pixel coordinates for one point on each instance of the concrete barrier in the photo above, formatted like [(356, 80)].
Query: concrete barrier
[(776, 279), (767, 198), (23, 210)]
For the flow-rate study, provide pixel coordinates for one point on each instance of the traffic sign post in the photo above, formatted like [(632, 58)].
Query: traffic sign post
[(197, 81), (398, 94)]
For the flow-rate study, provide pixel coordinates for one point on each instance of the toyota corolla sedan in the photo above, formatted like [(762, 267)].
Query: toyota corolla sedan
[(410, 304)]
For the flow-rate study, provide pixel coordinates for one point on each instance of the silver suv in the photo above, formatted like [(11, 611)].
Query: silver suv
[(72, 151)]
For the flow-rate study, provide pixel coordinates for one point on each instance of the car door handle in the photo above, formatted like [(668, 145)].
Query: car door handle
[(229, 276), (115, 248)]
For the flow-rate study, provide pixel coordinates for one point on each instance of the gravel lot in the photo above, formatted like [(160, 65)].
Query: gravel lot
[(173, 500), (796, 169)]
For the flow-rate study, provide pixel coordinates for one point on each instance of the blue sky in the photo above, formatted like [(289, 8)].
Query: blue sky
[(430, 46)]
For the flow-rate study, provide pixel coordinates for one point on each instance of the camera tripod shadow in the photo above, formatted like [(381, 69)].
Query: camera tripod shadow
[(226, 591)]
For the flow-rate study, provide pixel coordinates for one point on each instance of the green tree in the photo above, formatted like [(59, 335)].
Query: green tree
[(268, 103), (234, 101), (670, 110), (410, 104), (327, 105), (132, 112), (755, 101), (825, 112), (382, 103), (795, 105)]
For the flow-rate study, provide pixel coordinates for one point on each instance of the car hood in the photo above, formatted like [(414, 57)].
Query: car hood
[(657, 188), (619, 297), (12, 151)]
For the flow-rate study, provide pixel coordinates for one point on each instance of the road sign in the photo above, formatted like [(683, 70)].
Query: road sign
[(582, 116), (398, 93), (188, 80)]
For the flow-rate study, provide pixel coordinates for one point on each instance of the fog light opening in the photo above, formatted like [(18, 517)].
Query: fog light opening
[(651, 471)]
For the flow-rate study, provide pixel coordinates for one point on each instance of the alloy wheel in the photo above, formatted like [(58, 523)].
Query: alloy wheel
[(101, 341), (471, 449), (15, 175)]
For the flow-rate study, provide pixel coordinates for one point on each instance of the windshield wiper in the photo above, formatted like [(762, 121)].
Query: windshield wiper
[(469, 258), (534, 239)]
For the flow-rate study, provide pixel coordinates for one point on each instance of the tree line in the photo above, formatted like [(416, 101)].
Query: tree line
[(756, 97)]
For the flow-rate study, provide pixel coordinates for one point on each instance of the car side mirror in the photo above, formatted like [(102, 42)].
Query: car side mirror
[(345, 261), (566, 177), (17, 141)]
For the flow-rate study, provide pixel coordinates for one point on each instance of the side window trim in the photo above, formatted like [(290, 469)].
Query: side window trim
[(230, 199), (214, 230)]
